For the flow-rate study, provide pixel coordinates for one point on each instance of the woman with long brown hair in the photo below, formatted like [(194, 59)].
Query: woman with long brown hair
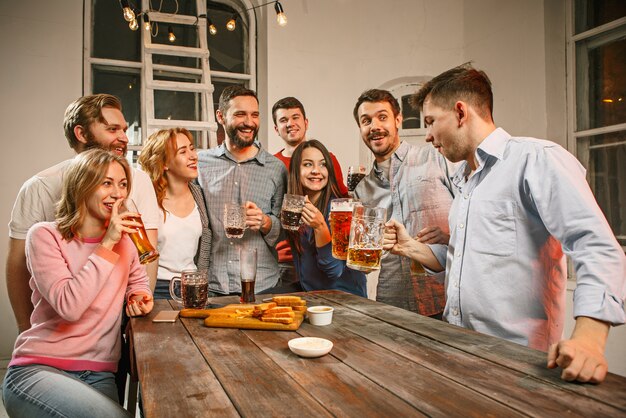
[(311, 174), (170, 159)]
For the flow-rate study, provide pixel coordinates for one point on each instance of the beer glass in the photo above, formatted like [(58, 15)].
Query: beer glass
[(340, 219), (355, 175), (194, 288), (247, 270), (234, 220), (291, 211), (147, 253), (367, 230)]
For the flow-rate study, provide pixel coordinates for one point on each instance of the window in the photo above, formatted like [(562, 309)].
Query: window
[(115, 60), (597, 56)]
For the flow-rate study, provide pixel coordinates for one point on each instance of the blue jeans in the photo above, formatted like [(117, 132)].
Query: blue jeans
[(43, 391)]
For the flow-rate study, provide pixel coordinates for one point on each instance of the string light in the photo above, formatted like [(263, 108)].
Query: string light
[(133, 25), (212, 28), (146, 22), (231, 25), (129, 15), (170, 34), (281, 18)]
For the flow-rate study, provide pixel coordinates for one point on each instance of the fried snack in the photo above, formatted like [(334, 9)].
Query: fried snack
[(278, 309), (286, 300), (264, 306), (299, 308), (195, 313), (289, 314), (285, 321)]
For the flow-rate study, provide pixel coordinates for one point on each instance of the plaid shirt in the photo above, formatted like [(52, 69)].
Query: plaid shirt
[(418, 194), (262, 180)]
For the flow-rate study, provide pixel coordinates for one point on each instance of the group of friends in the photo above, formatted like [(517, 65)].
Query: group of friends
[(489, 216)]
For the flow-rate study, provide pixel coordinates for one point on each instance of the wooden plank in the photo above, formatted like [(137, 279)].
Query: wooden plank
[(512, 388), (180, 86), (178, 51), (193, 125), (175, 379), (499, 351), (253, 382)]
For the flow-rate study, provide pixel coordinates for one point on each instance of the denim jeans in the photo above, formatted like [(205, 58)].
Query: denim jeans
[(44, 391)]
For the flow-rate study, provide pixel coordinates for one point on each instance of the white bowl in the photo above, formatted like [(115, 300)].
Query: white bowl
[(310, 346), (320, 315)]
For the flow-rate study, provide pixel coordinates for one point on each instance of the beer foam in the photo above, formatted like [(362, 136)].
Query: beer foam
[(342, 207)]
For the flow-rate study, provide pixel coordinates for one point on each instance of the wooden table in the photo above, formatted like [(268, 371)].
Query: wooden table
[(385, 362)]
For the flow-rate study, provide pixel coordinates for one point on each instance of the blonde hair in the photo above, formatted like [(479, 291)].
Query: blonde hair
[(160, 147), (84, 175)]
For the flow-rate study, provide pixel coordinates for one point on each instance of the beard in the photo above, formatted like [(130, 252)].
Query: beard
[(93, 143), (380, 152), (238, 141)]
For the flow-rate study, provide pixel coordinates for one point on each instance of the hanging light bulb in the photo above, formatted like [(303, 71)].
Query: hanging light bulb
[(281, 18), (231, 25), (212, 28), (170, 34), (129, 15), (133, 25), (146, 22)]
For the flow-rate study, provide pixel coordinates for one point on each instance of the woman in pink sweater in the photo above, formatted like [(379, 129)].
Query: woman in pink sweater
[(83, 267)]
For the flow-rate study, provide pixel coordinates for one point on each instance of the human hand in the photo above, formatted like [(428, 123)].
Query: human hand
[(396, 238), (582, 356), (311, 215), (118, 224), (139, 305), (254, 216), (433, 235)]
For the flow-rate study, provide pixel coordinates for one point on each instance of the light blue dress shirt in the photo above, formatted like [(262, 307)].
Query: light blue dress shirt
[(505, 270)]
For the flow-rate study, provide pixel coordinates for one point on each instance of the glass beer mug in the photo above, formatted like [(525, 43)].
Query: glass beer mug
[(367, 230), (340, 220)]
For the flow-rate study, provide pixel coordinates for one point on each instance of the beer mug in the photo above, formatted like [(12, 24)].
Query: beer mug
[(291, 211), (340, 219), (234, 220), (247, 270), (367, 230), (194, 288), (147, 253), (355, 175)]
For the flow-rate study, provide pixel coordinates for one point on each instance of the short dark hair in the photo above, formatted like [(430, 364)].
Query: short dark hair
[(287, 103), (459, 83), (376, 95), (85, 111), (231, 92)]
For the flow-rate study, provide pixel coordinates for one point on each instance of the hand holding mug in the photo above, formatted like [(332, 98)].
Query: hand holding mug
[(254, 216), (311, 216), (118, 224)]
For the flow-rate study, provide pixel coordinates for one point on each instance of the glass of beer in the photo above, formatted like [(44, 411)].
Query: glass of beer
[(234, 220), (291, 211), (367, 230), (355, 175), (340, 219), (247, 270), (194, 288), (147, 253)]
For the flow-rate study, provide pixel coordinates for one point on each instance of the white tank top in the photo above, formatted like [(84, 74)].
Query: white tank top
[(178, 243)]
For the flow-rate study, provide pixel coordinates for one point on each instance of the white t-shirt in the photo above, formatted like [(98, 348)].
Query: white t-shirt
[(178, 243), (37, 199)]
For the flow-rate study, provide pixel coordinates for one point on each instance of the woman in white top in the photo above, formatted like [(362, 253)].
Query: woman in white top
[(170, 158)]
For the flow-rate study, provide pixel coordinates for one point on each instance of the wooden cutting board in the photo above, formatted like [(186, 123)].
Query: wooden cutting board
[(253, 323)]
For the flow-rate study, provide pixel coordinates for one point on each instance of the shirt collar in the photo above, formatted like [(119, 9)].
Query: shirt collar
[(492, 146), (399, 153), (260, 156)]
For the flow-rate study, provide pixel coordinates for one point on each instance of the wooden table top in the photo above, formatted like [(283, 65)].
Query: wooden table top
[(385, 362)]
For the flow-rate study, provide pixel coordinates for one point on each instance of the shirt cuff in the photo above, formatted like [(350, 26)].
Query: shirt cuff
[(109, 255), (440, 251), (598, 303)]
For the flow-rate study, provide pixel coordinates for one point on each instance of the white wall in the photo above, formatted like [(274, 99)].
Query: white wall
[(40, 74)]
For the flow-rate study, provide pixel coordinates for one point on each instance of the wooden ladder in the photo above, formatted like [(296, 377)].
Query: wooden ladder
[(206, 125)]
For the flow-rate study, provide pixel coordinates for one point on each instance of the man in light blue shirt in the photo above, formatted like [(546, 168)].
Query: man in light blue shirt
[(521, 203)]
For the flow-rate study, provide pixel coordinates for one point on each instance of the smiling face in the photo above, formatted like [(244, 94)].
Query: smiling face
[(111, 135), (444, 132), (291, 125), (184, 164), (113, 186), (379, 128), (241, 121), (313, 173)]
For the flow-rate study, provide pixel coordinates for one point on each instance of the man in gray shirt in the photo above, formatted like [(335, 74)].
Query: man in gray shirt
[(413, 184), (240, 171)]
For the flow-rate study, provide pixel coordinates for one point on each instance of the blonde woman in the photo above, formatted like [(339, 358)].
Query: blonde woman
[(83, 267), (170, 159)]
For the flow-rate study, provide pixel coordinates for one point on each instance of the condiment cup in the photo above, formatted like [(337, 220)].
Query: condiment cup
[(320, 315), (310, 346)]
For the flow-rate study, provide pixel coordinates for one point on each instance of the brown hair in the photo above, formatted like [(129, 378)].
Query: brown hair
[(231, 92), (84, 112), (295, 184), (375, 96), (160, 147), (82, 178), (287, 103), (459, 83)]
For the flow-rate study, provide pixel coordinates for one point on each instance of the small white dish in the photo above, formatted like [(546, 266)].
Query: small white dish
[(310, 346), (320, 315)]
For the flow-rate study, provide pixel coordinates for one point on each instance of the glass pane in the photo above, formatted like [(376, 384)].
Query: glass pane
[(189, 62), (592, 13), (227, 48), (410, 116), (604, 156), (184, 35), (111, 36), (600, 80), (124, 83), (220, 85)]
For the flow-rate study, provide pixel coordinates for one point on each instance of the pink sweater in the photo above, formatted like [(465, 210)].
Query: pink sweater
[(78, 293)]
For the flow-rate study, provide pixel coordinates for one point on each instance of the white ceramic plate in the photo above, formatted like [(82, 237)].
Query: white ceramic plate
[(310, 346)]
